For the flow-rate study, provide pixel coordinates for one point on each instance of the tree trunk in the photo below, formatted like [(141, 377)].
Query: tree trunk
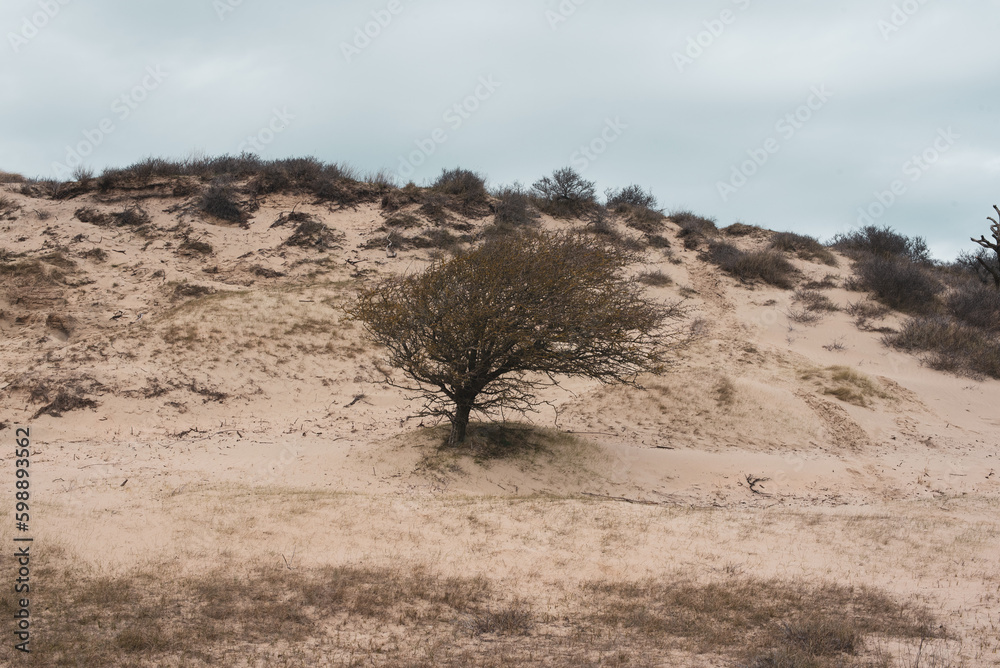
[(994, 272), (459, 424)]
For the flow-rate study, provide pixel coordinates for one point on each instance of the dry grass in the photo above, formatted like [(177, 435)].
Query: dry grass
[(276, 615), (804, 247), (767, 265), (846, 384)]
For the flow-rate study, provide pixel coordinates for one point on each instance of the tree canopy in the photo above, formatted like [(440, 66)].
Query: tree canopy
[(485, 330)]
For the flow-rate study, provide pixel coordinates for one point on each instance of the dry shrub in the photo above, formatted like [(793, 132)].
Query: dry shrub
[(882, 242), (804, 247), (813, 300), (91, 215), (465, 191), (655, 279), (694, 229), (765, 265), (404, 221), (513, 208), (221, 201), (898, 283), (564, 194), (192, 247), (951, 344), (64, 396), (311, 233), (8, 177), (742, 230)]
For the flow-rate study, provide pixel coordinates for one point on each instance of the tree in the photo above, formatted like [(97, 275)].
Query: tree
[(565, 193), (484, 331), (992, 245)]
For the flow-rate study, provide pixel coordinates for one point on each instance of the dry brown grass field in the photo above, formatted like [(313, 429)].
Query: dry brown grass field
[(219, 476)]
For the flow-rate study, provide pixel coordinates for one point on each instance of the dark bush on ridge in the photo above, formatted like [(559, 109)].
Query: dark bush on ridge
[(898, 283), (883, 242), (465, 189), (565, 194), (628, 197), (766, 265)]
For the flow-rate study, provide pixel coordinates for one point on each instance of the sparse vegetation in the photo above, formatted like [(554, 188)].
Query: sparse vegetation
[(695, 229), (656, 279), (845, 384), (804, 247), (766, 265)]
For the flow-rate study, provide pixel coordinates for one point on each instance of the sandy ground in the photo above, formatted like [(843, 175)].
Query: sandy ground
[(247, 426)]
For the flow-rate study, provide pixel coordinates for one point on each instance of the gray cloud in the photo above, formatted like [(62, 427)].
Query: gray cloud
[(230, 65)]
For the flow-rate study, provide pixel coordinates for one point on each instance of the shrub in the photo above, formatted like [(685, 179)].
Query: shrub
[(655, 279), (192, 247), (766, 265), (978, 264), (898, 283), (311, 233), (8, 177), (565, 194), (694, 229), (883, 242), (977, 305), (466, 191), (131, 216), (805, 247), (513, 208), (813, 300), (741, 230), (953, 346), (630, 197), (220, 201)]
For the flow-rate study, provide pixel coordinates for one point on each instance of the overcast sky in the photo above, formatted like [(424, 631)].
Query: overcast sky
[(790, 115)]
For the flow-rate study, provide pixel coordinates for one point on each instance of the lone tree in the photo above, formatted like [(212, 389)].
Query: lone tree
[(484, 331), (992, 245)]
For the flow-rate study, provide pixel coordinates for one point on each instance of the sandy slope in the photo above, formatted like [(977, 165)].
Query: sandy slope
[(243, 425)]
